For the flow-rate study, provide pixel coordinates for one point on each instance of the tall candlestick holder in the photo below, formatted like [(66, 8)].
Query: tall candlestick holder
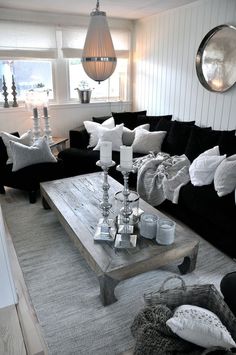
[(47, 129), (5, 93), (14, 93), (106, 228), (125, 237)]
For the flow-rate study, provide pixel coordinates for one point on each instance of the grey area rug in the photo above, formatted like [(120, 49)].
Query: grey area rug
[(65, 292)]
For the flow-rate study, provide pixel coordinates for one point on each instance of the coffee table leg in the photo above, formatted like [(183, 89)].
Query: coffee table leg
[(45, 204), (107, 287), (189, 262)]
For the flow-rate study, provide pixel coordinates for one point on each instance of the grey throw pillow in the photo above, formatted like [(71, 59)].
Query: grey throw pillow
[(26, 139), (225, 176), (145, 141), (23, 155), (129, 135)]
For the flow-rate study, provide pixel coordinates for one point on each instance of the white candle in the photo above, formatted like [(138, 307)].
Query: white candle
[(126, 157), (106, 152)]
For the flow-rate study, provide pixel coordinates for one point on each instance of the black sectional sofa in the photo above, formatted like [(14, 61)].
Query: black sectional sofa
[(199, 207)]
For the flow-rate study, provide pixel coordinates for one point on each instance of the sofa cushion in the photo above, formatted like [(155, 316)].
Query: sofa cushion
[(95, 129), (3, 150), (145, 141), (177, 138), (227, 144), (101, 119), (23, 155), (113, 135), (129, 135), (26, 139), (202, 139), (128, 118), (225, 176), (152, 120), (164, 124), (203, 168)]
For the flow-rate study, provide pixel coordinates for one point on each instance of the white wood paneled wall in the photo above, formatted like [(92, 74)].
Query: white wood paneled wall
[(165, 79)]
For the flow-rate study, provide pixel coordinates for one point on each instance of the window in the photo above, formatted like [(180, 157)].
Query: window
[(28, 74), (113, 89), (35, 53)]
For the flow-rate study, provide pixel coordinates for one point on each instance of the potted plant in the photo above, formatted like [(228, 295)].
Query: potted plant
[(84, 92)]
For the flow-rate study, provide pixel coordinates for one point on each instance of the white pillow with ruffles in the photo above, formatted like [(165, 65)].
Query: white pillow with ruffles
[(202, 169)]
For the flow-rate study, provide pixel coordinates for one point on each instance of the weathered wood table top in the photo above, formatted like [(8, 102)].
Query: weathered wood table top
[(76, 202)]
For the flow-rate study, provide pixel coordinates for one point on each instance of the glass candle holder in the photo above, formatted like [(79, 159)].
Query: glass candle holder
[(148, 225), (133, 200), (165, 232)]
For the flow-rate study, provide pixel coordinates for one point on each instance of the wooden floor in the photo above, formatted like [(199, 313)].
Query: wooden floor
[(11, 338), (20, 332)]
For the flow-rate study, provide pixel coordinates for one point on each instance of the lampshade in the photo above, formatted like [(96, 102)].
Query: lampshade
[(98, 58)]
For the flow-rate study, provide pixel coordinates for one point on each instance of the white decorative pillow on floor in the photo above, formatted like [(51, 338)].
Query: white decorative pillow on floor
[(200, 326), (203, 168), (129, 135), (146, 141), (26, 139), (94, 128), (225, 176), (23, 156), (113, 135)]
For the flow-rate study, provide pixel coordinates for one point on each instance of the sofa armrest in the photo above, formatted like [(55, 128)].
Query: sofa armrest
[(79, 137)]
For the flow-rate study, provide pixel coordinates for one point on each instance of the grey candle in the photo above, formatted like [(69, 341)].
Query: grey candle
[(45, 112), (35, 112)]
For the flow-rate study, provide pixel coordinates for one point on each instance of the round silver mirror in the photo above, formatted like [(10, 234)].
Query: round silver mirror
[(216, 59)]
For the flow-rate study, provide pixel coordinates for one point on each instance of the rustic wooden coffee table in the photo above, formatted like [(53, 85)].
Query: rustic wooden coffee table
[(76, 202)]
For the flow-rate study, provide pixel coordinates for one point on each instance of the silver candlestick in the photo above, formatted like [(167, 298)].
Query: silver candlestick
[(125, 237), (47, 128), (106, 229)]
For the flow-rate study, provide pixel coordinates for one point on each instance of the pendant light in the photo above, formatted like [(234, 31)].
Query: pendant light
[(98, 58)]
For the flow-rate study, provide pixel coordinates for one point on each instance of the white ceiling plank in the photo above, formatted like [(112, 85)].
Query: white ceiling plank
[(127, 9)]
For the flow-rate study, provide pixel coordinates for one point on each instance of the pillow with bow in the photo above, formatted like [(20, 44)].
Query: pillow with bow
[(113, 135), (93, 128)]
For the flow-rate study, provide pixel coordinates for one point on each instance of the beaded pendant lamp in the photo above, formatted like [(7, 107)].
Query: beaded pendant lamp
[(98, 58)]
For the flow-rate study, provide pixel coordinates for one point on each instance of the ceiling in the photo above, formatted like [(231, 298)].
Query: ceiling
[(127, 9)]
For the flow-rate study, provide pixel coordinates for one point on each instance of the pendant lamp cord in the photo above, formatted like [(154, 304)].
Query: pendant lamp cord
[(97, 6)]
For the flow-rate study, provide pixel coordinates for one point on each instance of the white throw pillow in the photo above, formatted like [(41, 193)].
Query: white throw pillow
[(129, 135), (146, 141), (203, 168), (225, 176), (93, 129), (23, 156), (25, 138), (113, 135), (200, 326)]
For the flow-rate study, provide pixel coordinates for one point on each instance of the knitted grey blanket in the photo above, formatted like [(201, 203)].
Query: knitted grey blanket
[(161, 176)]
